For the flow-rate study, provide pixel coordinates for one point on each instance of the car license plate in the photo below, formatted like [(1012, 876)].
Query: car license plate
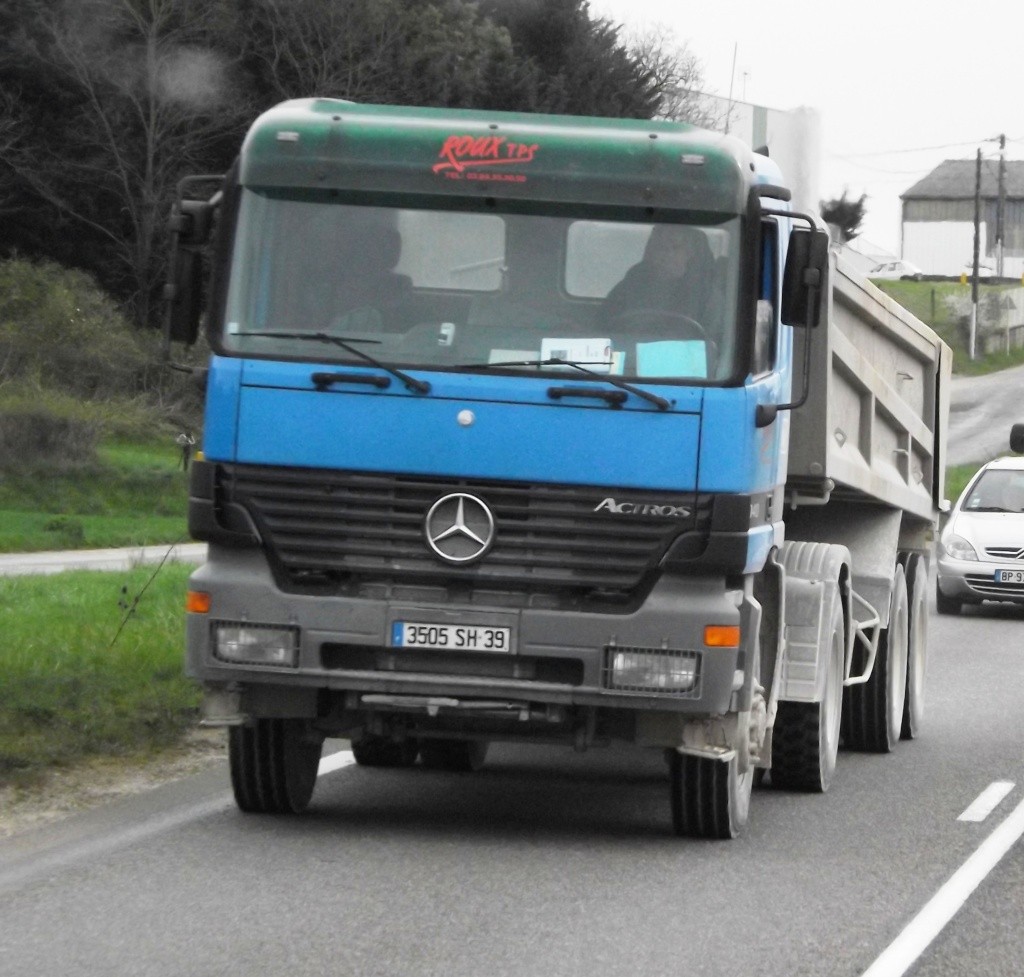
[(450, 637), (1009, 576)]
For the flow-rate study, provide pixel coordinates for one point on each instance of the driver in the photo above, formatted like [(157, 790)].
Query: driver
[(671, 279)]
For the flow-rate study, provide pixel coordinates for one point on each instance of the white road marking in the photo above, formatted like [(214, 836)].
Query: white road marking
[(335, 761), (898, 957), (987, 801)]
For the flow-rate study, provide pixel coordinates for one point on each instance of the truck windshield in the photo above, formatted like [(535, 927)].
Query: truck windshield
[(466, 290)]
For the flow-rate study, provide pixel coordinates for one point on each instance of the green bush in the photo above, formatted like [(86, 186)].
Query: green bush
[(73, 370), (59, 331), (44, 430)]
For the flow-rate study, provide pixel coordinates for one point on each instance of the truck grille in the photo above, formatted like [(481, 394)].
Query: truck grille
[(353, 528)]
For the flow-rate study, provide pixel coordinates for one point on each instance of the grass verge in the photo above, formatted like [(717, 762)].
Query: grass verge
[(941, 306), (89, 671), (135, 495), (957, 477)]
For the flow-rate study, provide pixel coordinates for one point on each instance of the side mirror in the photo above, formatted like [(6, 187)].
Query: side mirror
[(183, 294), (191, 224), (1017, 438), (805, 277)]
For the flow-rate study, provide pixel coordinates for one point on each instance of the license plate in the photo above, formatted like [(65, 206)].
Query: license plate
[(450, 637), (1009, 576)]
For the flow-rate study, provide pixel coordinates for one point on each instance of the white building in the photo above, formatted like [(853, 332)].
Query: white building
[(938, 218)]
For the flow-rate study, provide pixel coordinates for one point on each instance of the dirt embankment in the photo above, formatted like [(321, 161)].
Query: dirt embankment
[(64, 792)]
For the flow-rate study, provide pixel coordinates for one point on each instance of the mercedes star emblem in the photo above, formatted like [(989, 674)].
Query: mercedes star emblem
[(459, 528)]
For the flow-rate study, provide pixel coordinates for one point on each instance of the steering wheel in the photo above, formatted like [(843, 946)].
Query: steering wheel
[(693, 329)]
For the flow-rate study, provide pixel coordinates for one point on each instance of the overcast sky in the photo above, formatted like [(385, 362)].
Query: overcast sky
[(900, 85)]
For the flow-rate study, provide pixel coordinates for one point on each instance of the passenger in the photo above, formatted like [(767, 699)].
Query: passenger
[(672, 279)]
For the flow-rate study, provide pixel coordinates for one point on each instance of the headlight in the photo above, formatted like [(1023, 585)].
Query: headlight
[(957, 548), (642, 670), (256, 644)]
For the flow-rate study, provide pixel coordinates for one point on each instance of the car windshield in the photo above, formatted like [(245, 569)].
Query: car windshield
[(466, 289), (997, 490)]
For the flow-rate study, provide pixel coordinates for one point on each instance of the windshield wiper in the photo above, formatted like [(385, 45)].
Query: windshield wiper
[(660, 402), (411, 383)]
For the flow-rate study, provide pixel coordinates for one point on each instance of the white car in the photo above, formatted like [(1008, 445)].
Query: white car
[(896, 270), (981, 550)]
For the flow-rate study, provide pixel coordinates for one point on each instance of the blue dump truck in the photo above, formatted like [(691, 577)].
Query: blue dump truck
[(526, 428)]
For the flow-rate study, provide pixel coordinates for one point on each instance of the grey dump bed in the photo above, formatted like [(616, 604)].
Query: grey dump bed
[(873, 426)]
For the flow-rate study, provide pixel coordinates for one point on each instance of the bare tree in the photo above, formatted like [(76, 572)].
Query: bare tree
[(677, 75), (317, 47), (8, 137), (151, 100)]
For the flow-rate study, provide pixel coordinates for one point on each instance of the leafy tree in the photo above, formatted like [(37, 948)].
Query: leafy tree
[(106, 104), (845, 214), (390, 51), (572, 62)]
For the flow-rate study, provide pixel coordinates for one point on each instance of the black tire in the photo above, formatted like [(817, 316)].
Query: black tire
[(375, 751), (873, 710), (917, 648), (709, 798), (805, 739), (947, 605), (456, 756), (274, 765)]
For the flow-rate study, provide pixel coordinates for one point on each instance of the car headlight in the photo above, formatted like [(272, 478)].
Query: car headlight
[(957, 548)]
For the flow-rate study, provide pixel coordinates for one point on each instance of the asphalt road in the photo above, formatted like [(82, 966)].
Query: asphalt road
[(982, 410), (548, 863)]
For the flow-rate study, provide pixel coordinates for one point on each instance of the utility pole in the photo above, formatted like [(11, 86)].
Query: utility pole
[(1001, 205), (977, 245)]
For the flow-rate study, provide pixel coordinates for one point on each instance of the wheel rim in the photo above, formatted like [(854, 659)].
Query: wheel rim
[(833, 703), (913, 710), (897, 641)]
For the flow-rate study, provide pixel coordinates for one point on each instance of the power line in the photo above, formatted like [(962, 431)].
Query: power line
[(924, 149)]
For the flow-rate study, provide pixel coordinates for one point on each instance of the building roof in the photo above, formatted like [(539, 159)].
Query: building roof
[(954, 179)]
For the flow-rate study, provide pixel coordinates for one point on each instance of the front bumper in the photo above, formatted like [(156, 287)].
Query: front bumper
[(972, 581), (558, 657)]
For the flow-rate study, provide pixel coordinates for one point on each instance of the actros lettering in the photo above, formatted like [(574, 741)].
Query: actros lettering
[(461, 153), (642, 509)]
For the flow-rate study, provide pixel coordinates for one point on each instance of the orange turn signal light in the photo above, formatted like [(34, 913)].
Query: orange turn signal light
[(197, 602), (722, 636)]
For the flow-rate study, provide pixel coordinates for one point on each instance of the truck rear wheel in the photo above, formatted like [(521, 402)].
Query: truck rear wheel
[(917, 654), (873, 710), (805, 740), (459, 756), (375, 751), (274, 765), (710, 799)]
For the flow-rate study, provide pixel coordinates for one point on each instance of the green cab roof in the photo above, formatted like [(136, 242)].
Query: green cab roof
[(384, 149)]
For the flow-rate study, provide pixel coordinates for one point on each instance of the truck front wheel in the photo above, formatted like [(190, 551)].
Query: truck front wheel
[(805, 741), (710, 799), (274, 765)]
